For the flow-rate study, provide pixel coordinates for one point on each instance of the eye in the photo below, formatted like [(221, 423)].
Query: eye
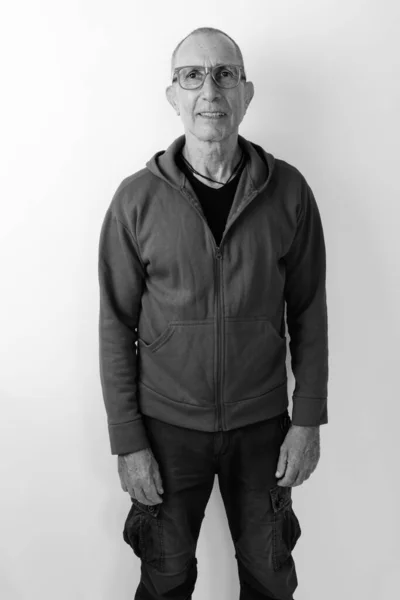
[(192, 74), (226, 74)]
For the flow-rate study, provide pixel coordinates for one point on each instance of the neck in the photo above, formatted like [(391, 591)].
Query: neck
[(213, 159)]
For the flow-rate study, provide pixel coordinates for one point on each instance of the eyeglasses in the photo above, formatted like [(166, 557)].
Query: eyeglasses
[(193, 77)]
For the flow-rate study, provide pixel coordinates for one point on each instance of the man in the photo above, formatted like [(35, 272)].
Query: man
[(199, 254)]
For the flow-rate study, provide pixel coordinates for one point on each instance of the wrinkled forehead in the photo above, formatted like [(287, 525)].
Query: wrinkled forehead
[(206, 50)]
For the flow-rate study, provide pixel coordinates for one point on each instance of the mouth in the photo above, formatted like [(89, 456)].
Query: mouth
[(212, 114)]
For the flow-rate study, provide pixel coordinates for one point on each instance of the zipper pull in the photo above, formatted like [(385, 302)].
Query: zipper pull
[(218, 253)]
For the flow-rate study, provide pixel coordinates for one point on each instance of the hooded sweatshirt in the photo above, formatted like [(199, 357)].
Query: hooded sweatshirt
[(193, 333)]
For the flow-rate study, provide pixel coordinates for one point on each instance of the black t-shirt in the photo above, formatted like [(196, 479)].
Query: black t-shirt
[(216, 202)]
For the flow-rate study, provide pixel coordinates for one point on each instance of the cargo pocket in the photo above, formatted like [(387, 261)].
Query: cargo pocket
[(286, 526), (143, 532)]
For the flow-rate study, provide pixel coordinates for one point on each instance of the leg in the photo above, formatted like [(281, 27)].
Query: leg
[(164, 536), (263, 526)]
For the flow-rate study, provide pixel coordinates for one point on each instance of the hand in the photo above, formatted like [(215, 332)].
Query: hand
[(299, 455), (140, 476)]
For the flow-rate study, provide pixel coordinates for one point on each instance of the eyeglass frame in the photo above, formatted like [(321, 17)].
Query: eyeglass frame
[(175, 75)]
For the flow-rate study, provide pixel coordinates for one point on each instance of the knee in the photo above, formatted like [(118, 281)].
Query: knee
[(168, 580)]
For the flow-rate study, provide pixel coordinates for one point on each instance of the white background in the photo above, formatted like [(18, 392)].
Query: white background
[(83, 106)]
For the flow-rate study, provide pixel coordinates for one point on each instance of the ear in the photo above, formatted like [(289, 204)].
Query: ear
[(248, 93), (171, 97)]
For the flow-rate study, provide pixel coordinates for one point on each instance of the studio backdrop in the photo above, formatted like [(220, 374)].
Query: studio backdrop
[(82, 107)]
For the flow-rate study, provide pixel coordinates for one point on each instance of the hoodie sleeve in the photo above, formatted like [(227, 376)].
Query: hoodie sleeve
[(306, 304), (121, 276)]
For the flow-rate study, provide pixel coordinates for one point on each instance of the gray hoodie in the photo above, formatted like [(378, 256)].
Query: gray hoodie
[(192, 333)]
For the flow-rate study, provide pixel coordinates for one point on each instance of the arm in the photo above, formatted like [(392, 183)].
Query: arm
[(305, 295), (121, 276), (307, 321)]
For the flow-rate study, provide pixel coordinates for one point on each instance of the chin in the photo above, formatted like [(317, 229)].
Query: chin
[(211, 133)]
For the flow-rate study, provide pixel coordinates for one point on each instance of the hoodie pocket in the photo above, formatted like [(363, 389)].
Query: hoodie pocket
[(159, 341), (179, 363), (255, 358)]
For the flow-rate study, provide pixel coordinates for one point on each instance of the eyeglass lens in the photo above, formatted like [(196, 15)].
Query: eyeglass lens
[(224, 76)]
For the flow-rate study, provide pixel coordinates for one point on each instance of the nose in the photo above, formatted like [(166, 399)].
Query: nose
[(210, 90)]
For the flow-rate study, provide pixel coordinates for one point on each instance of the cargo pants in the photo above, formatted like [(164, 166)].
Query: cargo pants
[(262, 523)]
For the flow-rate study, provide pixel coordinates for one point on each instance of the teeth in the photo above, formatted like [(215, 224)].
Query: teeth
[(213, 114)]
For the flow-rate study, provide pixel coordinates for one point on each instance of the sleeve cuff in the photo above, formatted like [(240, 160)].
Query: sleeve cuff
[(128, 437), (309, 411)]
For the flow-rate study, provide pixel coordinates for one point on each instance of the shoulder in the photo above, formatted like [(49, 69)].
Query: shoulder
[(293, 189), (288, 173), (285, 174), (296, 191), (132, 192)]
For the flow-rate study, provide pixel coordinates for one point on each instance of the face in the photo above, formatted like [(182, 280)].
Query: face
[(209, 50)]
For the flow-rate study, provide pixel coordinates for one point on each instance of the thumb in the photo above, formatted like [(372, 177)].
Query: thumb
[(280, 469)]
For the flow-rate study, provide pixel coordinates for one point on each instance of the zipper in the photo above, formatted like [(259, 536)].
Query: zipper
[(220, 317), (220, 338)]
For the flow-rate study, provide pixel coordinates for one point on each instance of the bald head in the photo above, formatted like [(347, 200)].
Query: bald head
[(207, 48), (206, 39)]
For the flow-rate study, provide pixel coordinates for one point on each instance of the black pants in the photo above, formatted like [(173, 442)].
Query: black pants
[(261, 519)]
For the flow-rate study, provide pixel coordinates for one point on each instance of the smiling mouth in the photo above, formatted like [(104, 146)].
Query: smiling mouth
[(212, 115)]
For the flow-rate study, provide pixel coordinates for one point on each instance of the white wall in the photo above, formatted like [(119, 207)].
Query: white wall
[(83, 106)]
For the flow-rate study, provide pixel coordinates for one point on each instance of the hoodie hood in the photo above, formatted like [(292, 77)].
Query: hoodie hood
[(259, 166)]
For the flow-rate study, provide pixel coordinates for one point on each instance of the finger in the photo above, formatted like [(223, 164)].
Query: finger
[(299, 479), (158, 482), (306, 474), (150, 493), (281, 466), (290, 475), (138, 495)]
